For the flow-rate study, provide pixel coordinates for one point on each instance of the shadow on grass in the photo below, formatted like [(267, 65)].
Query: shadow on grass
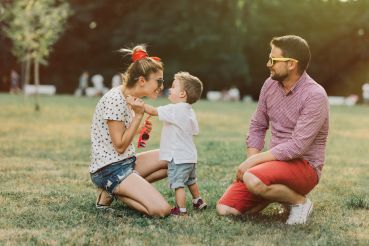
[(274, 213), (261, 218)]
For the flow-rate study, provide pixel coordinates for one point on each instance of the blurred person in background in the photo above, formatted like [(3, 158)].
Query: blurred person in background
[(14, 82), (83, 83), (366, 93), (116, 80)]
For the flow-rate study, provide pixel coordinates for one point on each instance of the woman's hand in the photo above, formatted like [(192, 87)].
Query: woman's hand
[(137, 104), (148, 126)]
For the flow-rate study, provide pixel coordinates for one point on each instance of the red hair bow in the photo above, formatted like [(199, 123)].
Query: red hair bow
[(140, 54)]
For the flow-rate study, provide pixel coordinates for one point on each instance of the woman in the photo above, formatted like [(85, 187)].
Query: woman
[(115, 168)]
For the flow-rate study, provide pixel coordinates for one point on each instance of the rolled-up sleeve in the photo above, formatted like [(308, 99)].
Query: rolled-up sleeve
[(259, 123), (313, 116), (167, 113)]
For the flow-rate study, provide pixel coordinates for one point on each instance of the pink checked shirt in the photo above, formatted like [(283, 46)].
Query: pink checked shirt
[(299, 121)]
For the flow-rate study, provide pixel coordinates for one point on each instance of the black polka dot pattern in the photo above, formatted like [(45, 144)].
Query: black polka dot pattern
[(112, 106)]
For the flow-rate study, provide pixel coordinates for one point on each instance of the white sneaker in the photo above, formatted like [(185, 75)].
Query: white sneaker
[(299, 213)]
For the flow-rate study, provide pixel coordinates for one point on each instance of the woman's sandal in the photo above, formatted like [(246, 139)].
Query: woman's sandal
[(104, 207)]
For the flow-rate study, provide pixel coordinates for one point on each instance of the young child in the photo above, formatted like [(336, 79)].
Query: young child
[(177, 145)]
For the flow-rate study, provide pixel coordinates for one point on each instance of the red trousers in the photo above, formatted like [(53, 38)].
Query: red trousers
[(297, 174)]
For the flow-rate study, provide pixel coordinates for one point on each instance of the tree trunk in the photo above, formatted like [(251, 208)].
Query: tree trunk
[(27, 75), (37, 83), (23, 69)]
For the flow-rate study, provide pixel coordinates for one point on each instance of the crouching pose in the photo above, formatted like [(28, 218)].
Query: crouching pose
[(115, 168), (297, 109)]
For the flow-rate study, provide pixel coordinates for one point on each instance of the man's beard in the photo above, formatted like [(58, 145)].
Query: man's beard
[(279, 77)]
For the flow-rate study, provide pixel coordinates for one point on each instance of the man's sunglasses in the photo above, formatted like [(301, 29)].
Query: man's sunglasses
[(274, 60)]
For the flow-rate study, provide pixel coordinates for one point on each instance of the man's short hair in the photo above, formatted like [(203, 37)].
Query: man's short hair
[(295, 47), (191, 84)]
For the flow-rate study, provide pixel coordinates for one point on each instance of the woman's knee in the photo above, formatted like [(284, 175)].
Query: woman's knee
[(254, 184), (159, 211)]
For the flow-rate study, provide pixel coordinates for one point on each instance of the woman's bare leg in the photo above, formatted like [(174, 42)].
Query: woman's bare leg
[(133, 204), (150, 167), (142, 196)]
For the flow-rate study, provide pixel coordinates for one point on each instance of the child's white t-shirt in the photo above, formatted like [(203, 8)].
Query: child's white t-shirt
[(180, 124)]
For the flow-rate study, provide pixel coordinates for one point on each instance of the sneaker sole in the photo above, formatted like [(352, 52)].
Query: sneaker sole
[(202, 206), (105, 208), (178, 215)]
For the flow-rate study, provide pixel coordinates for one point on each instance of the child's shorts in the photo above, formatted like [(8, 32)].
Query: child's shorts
[(181, 175), (110, 176)]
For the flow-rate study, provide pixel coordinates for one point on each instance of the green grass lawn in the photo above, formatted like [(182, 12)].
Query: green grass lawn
[(46, 196)]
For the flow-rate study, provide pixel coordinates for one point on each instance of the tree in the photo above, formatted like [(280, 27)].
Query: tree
[(220, 41), (34, 26), (203, 37)]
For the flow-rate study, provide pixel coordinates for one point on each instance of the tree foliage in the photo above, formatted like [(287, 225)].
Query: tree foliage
[(34, 26), (223, 42)]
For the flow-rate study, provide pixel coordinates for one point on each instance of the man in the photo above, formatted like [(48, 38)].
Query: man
[(297, 109)]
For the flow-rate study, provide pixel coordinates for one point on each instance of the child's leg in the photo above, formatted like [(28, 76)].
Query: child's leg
[(194, 189), (193, 186), (197, 202), (181, 197)]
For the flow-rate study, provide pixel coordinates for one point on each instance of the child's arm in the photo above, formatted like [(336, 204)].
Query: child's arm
[(150, 110)]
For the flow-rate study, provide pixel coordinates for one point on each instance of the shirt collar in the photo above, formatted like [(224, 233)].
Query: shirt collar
[(297, 85), (299, 82)]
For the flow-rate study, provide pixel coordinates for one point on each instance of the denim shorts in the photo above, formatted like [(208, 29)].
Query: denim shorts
[(110, 176), (181, 175)]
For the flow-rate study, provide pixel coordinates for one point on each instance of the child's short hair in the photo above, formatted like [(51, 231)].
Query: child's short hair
[(191, 84)]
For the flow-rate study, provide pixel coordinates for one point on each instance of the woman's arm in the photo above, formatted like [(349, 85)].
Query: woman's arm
[(121, 136)]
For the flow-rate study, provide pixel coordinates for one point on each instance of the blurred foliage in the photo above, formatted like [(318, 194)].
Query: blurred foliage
[(224, 42), (34, 26), (2, 12)]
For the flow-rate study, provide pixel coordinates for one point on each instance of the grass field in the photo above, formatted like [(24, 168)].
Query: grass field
[(47, 198)]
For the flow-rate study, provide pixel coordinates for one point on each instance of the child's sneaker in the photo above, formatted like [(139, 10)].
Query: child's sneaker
[(200, 205), (176, 212)]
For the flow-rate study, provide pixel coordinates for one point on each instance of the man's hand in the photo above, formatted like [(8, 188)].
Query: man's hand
[(252, 161), (242, 168)]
